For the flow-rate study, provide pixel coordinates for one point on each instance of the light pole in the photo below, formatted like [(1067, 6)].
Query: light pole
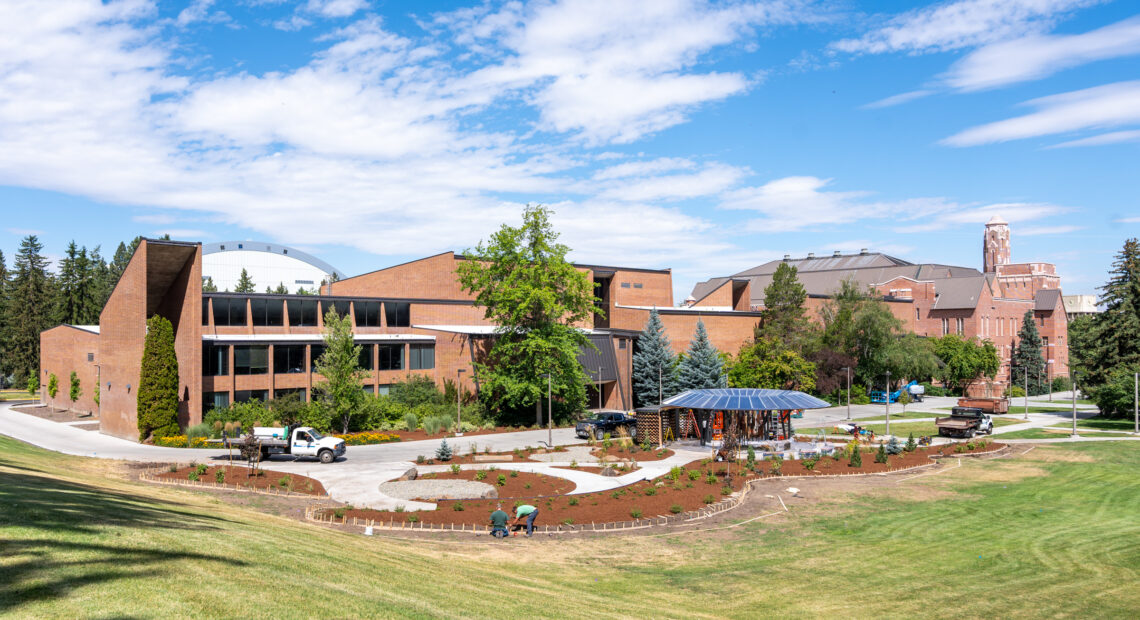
[(1136, 402), (549, 413), (848, 369), (660, 389), (1026, 395), (1074, 435), (599, 388), (458, 410), (1049, 379), (887, 400)]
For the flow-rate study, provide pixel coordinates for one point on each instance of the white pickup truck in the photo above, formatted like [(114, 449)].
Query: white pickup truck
[(294, 439)]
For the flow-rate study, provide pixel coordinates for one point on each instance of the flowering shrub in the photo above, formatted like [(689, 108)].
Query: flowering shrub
[(179, 441), (368, 437)]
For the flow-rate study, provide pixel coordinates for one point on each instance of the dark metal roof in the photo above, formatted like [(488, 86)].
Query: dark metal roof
[(603, 357), (745, 399), (1047, 299)]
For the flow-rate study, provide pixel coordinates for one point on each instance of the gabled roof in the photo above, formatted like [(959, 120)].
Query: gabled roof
[(958, 293), (1046, 299)]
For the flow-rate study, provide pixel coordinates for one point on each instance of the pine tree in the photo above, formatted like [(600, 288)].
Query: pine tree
[(281, 290), (1113, 342), (443, 452), (1027, 365), (121, 258), (27, 309), (100, 288), (783, 314), (654, 354), (881, 454), (856, 458), (158, 382), (68, 300), (245, 283), (911, 446), (701, 368), (208, 285)]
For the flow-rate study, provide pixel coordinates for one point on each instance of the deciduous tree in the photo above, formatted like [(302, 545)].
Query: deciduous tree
[(339, 389), (535, 297), (766, 363), (965, 360)]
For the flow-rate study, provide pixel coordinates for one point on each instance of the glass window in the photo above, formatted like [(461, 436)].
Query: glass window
[(367, 313), (384, 389), (341, 307), (251, 360), (302, 312), (229, 311), (282, 393), (366, 356), (288, 358), (397, 313), (315, 353), (368, 389), (205, 311), (422, 356), (215, 360), (214, 400), (391, 357), (242, 396), (266, 312)]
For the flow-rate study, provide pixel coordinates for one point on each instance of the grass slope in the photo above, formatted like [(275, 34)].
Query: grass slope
[(1044, 535)]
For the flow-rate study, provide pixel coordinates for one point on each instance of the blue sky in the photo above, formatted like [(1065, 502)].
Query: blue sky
[(706, 137)]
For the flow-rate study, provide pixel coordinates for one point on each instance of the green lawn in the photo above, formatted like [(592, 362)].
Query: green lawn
[(1057, 432), (1047, 534), (1019, 409), (14, 395), (924, 428), (1104, 424)]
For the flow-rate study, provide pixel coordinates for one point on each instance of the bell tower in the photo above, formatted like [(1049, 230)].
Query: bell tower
[(995, 245)]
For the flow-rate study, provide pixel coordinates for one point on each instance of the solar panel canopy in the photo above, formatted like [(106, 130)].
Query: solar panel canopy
[(745, 399)]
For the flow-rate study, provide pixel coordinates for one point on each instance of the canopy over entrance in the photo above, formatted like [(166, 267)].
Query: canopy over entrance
[(758, 414)]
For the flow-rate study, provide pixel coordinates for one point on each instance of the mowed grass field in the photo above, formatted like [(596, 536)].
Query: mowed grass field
[(1051, 533), (903, 429)]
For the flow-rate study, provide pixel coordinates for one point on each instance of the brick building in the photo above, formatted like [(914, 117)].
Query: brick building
[(409, 319), (932, 299)]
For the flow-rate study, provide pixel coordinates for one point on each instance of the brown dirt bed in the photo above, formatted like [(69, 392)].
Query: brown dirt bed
[(540, 485), (55, 414), (522, 456), (239, 476), (621, 504), (616, 451), (593, 469)]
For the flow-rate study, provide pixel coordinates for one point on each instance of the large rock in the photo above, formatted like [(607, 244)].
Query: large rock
[(610, 471), (493, 458)]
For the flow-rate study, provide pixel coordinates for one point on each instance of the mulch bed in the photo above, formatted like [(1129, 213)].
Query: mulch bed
[(632, 453), (522, 484), (651, 498), (239, 476), (521, 456)]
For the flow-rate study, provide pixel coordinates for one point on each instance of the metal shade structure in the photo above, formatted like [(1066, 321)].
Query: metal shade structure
[(744, 399)]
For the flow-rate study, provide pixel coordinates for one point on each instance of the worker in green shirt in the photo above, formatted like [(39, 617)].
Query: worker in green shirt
[(499, 522), (528, 511)]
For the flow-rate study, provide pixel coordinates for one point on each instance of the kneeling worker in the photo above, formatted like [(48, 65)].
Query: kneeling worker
[(528, 511), (499, 522)]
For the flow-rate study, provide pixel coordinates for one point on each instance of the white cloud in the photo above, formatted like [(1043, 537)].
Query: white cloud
[(336, 8), (1036, 56), (899, 99), (1035, 231), (711, 179), (1128, 220), (1112, 137), (965, 23), (1012, 212), (1093, 108)]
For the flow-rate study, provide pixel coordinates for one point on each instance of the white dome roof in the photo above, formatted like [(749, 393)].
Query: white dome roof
[(995, 220)]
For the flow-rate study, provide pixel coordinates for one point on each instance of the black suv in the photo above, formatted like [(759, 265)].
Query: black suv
[(606, 422)]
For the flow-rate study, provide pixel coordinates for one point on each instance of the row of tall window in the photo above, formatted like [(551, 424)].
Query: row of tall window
[(253, 359), (231, 311)]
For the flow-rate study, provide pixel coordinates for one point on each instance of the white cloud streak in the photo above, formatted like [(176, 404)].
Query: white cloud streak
[(1093, 108), (1112, 137), (898, 99)]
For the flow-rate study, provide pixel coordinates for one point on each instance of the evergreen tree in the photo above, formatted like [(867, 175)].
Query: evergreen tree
[(27, 309), (443, 452), (121, 258), (702, 367), (69, 301), (783, 314), (653, 354), (245, 283), (158, 382), (3, 313), (911, 446), (281, 290), (339, 366), (1113, 341), (101, 286), (208, 285), (1027, 363)]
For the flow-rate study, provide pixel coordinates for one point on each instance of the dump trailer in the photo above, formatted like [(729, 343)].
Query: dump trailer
[(964, 422), (294, 440), (988, 405)]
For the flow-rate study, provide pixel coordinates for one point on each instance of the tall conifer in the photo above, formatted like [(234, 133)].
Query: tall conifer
[(28, 309), (702, 368), (158, 381), (653, 355), (245, 283), (1028, 366)]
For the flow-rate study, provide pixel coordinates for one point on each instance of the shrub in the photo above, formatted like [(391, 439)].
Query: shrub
[(635, 513), (339, 513), (202, 430), (201, 469), (675, 473), (220, 475), (615, 494), (502, 480), (173, 467), (411, 422), (809, 464), (726, 490), (443, 452), (400, 508), (856, 459), (751, 457), (651, 491), (1062, 384), (711, 478), (193, 476), (573, 501), (457, 506), (526, 486), (481, 474), (911, 446), (708, 499), (1015, 392), (573, 464), (881, 454), (893, 446), (420, 459), (514, 474), (285, 482), (777, 465), (157, 395), (694, 474), (413, 518), (676, 509), (455, 468)]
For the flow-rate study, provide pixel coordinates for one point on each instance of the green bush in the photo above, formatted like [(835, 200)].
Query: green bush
[(635, 513), (457, 506), (481, 474), (934, 390), (416, 390), (1115, 398), (455, 469), (881, 454), (192, 476), (856, 458), (502, 480), (694, 474), (201, 469), (443, 452), (157, 395), (726, 490), (709, 499), (198, 430), (411, 421), (220, 475), (911, 445), (676, 509), (1015, 391), (1062, 384), (573, 501)]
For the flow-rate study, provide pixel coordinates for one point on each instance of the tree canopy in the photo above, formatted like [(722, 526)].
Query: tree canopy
[(28, 309), (783, 316), (536, 298), (766, 363), (338, 390), (654, 361), (702, 367), (157, 396), (1027, 365), (965, 360)]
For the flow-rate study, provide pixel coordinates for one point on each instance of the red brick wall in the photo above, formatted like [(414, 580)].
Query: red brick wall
[(727, 332), (122, 333), (64, 349)]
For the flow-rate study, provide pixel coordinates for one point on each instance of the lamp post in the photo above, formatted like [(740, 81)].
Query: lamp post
[(660, 389), (599, 388), (1049, 378), (1026, 395), (1136, 402), (848, 369), (549, 413), (1074, 435), (458, 410), (887, 400)]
